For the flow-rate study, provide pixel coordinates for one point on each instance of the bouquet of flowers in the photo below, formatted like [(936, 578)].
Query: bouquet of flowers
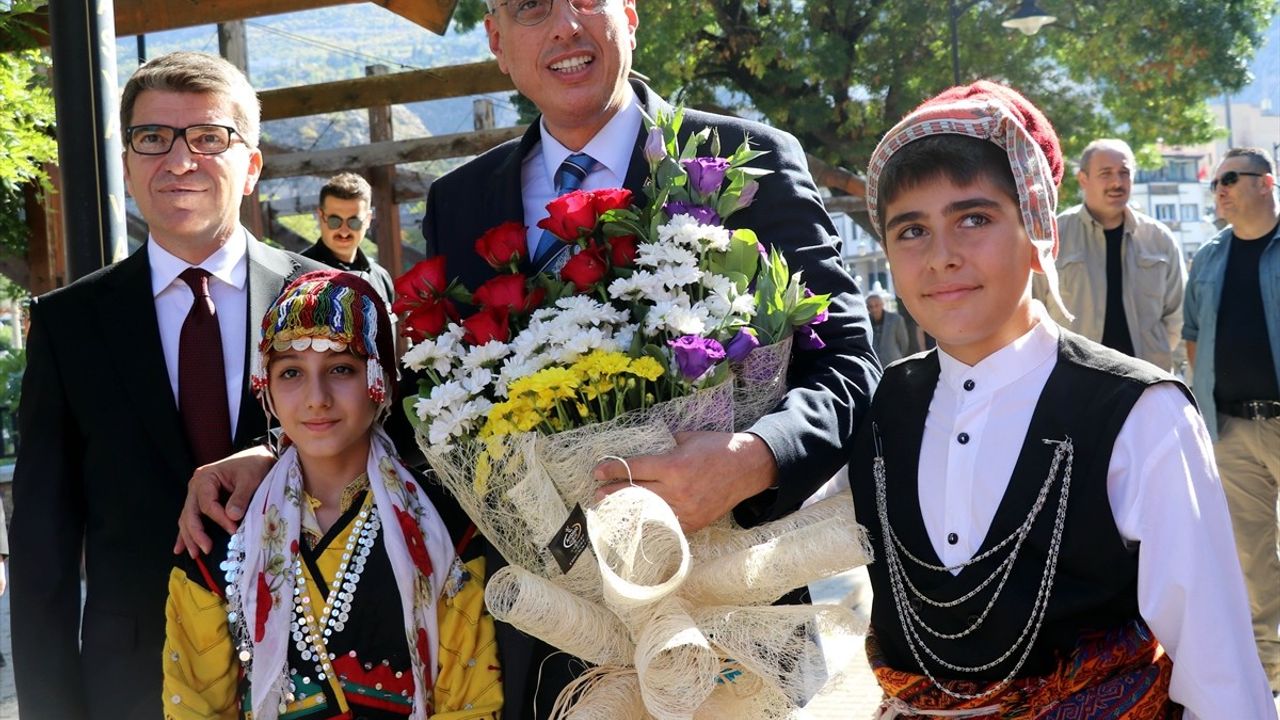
[(661, 320)]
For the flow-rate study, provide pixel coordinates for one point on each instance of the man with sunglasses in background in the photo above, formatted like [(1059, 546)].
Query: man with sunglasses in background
[(1232, 328), (344, 212), (136, 375)]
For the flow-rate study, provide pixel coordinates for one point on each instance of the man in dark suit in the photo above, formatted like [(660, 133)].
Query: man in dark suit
[(572, 58), (136, 375)]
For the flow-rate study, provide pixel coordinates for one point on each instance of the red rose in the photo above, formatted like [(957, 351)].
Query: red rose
[(571, 216), (413, 538), (610, 199), (509, 291), (420, 301), (585, 269), (504, 245), (424, 281), (487, 324), (263, 608), (426, 320), (622, 251)]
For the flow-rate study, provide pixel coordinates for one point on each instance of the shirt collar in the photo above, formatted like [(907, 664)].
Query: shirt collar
[(327, 256), (611, 146), (1006, 365), (227, 263)]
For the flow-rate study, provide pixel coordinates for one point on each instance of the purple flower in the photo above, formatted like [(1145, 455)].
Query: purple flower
[(695, 355), (741, 346), (820, 317), (705, 173), (807, 339), (702, 214), (655, 146), (748, 194)]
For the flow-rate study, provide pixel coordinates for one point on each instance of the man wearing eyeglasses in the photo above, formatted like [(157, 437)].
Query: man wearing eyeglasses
[(573, 59), (1232, 329), (136, 376), (344, 212)]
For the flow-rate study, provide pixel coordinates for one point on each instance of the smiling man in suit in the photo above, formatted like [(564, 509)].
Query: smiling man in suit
[(572, 58), (136, 375)]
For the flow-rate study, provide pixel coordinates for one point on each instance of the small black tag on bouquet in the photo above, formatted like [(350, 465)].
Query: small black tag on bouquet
[(570, 540)]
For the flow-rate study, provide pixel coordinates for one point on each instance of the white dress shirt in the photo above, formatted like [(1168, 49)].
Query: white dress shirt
[(229, 271), (1164, 492), (611, 148)]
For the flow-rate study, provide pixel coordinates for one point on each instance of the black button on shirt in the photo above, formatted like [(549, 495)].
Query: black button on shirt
[(963, 438), (968, 384), (952, 538)]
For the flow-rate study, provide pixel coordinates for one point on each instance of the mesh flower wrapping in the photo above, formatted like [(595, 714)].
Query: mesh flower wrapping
[(662, 321)]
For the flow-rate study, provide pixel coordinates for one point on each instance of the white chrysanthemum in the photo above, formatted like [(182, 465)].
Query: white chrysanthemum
[(486, 354), (744, 305), (687, 321), (427, 354), (717, 307), (715, 237), (657, 255), (682, 229), (637, 287), (476, 381), (674, 276), (443, 397)]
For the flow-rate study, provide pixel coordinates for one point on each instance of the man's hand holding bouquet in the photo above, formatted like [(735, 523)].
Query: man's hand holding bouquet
[(661, 321)]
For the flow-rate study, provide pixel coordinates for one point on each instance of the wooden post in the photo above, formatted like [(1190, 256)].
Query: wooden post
[(386, 214), (45, 256), (233, 44), (482, 114)]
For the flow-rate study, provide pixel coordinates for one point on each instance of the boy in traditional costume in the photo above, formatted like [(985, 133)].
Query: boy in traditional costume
[(1054, 539), (344, 593)]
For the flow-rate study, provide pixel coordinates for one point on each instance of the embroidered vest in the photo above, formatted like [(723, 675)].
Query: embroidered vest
[(1087, 398)]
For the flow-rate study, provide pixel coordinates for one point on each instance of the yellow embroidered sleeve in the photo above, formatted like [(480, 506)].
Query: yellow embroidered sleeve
[(469, 686), (200, 669)]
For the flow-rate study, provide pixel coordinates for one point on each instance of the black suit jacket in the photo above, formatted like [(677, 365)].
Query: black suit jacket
[(104, 466), (829, 389)]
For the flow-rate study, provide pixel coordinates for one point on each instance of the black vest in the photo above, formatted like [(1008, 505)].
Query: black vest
[(1087, 397)]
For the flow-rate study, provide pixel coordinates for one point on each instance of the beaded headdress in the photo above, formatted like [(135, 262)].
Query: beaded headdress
[(993, 112), (330, 310)]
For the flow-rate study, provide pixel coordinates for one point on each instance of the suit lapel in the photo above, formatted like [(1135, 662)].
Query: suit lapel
[(638, 168), (267, 272), (134, 348)]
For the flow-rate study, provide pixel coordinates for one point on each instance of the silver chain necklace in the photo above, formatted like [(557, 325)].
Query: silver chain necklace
[(903, 589)]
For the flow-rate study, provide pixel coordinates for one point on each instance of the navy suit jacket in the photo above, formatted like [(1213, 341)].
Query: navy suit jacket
[(829, 389), (103, 466)]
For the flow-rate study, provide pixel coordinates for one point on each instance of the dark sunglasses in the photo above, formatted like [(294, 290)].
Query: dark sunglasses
[(1229, 178), (334, 222)]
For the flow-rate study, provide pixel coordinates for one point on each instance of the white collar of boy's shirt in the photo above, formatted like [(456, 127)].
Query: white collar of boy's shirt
[(1005, 366), (611, 146), (227, 263)]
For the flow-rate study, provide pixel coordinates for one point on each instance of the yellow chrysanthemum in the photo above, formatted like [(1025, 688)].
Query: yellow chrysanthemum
[(646, 367)]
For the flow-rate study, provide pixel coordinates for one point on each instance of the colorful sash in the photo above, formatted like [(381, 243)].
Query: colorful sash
[(1121, 673)]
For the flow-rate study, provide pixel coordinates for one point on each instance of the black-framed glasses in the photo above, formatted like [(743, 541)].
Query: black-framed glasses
[(532, 12), (354, 222), (159, 139), (1229, 178)]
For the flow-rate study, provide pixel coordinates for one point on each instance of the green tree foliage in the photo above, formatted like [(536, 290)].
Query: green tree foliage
[(26, 128), (839, 73)]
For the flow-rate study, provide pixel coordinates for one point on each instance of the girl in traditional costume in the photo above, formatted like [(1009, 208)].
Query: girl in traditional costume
[(1052, 534), (344, 593)]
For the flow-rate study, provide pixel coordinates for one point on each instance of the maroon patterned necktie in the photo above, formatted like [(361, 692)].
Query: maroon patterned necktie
[(202, 376)]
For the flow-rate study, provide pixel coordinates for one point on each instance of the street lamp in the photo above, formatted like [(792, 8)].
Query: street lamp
[(1029, 18)]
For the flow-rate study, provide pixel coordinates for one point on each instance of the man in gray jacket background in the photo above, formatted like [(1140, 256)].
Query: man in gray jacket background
[(1120, 271)]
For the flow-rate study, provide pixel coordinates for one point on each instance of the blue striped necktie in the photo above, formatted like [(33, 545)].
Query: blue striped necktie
[(572, 172)]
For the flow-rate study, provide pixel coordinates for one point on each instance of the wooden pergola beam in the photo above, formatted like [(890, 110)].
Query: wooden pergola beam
[(138, 17), (389, 89), (392, 152)]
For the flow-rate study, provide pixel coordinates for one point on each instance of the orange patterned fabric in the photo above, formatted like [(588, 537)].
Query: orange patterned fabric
[(1118, 674)]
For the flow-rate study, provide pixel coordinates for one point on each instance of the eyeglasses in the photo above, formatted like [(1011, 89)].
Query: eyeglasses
[(159, 139), (532, 12), (1229, 178), (334, 222)]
